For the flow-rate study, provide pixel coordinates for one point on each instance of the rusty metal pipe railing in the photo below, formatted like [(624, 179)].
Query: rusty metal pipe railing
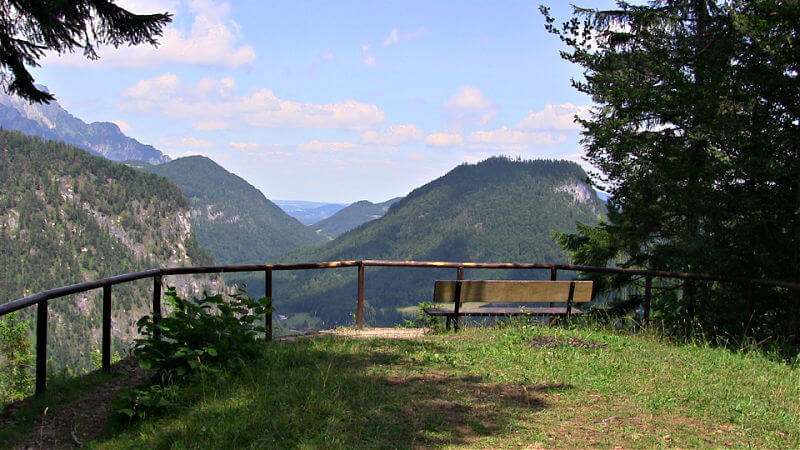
[(42, 299)]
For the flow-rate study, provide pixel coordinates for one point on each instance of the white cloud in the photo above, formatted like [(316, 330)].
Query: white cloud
[(185, 142), (322, 146), (555, 117), (396, 37), (366, 58), (394, 135), (123, 126), (469, 98), (212, 40), (505, 138), (444, 139), (328, 56), (212, 102), (211, 125), (245, 145), (393, 38), (469, 107), (162, 87)]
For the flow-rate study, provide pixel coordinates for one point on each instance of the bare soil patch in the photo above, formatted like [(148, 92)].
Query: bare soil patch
[(385, 333), (79, 420), (553, 342)]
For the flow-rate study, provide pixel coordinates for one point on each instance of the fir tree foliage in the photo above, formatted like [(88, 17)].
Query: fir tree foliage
[(694, 134), (29, 28)]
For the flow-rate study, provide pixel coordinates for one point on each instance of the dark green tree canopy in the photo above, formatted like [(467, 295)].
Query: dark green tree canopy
[(29, 28), (695, 132)]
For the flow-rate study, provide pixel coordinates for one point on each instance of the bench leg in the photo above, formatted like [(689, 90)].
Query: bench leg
[(447, 323)]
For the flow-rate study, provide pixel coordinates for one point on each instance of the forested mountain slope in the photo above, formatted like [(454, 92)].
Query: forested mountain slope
[(352, 216), (67, 217), (232, 219), (497, 210), (51, 121)]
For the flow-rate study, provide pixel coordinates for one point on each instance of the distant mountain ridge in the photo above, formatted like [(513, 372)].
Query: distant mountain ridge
[(308, 212), (52, 122), (352, 216), (233, 220), (497, 210)]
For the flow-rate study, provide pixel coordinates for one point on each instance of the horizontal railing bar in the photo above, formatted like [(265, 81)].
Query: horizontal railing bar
[(30, 300), (577, 268)]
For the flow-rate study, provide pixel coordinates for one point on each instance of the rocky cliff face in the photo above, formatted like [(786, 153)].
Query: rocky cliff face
[(68, 217), (51, 121)]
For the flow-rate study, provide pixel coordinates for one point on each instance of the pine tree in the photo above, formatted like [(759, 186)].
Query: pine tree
[(695, 137), (29, 28)]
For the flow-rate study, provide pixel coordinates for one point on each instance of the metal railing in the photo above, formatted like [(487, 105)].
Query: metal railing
[(41, 299)]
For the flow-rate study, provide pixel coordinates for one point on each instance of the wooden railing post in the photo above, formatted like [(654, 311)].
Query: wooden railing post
[(156, 305), (268, 294), (460, 277), (750, 309), (41, 347), (360, 301), (553, 277), (106, 350), (648, 285)]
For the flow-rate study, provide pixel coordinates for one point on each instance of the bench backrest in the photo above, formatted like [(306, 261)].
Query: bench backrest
[(512, 291)]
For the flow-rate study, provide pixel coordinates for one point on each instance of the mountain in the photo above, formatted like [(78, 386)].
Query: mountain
[(67, 217), (309, 213), (497, 210), (352, 216), (51, 121), (231, 218)]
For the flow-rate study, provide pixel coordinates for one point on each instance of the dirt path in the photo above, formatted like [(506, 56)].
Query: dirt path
[(386, 333)]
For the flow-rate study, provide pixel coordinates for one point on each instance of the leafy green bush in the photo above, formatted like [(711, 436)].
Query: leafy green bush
[(16, 359), (199, 336)]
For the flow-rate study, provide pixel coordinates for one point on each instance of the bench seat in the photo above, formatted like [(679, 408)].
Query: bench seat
[(456, 298), (488, 311)]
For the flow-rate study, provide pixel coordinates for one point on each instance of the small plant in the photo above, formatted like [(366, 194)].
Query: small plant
[(16, 376), (197, 337), (425, 320)]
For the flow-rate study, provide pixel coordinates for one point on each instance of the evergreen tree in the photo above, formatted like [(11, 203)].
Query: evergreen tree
[(695, 135), (29, 28)]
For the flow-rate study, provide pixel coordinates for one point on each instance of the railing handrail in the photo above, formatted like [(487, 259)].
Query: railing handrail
[(41, 299), (30, 300)]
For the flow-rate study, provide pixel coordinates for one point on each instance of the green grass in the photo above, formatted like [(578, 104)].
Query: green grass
[(485, 388)]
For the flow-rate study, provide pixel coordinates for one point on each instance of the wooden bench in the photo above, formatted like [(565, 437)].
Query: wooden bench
[(462, 293)]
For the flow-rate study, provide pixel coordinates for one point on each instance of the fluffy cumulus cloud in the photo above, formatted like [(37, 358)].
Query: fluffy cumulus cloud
[(394, 135), (555, 117), (212, 103), (245, 145), (469, 97), (160, 88), (185, 142), (444, 139), (469, 107), (212, 39), (125, 127), (327, 146), (211, 125), (505, 138)]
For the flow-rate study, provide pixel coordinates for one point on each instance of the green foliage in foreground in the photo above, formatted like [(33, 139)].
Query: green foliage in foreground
[(16, 360), (198, 337), (483, 388)]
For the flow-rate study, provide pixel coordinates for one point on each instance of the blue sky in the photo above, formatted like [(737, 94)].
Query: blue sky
[(336, 101)]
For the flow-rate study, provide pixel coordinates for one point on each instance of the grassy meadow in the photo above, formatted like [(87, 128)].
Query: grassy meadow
[(514, 386)]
